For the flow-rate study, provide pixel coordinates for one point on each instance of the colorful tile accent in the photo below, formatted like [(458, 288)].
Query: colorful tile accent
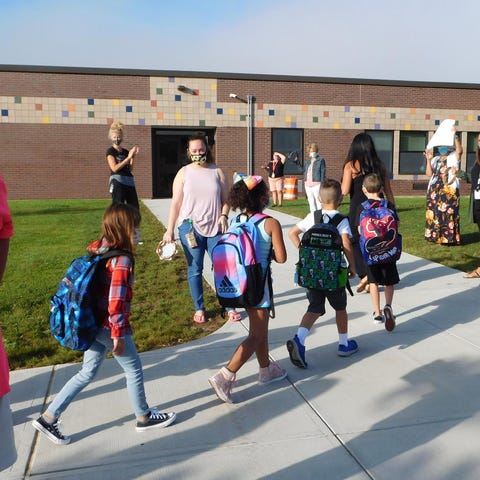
[(129, 109), (4, 113), (357, 119), (208, 104), (141, 121), (116, 102), (315, 119), (347, 109), (178, 98), (72, 108), (243, 118), (153, 103), (64, 113), (91, 114), (38, 107), (326, 114), (159, 91), (171, 79), (159, 115), (304, 108), (90, 101), (201, 123), (271, 112), (18, 99), (219, 111)]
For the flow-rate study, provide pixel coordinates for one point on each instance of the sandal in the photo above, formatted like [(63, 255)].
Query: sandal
[(474, 274), (234, 316), (362, 284), (199, 317)]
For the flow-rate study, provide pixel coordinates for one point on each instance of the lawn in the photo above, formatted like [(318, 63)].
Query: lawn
[(49, 234)]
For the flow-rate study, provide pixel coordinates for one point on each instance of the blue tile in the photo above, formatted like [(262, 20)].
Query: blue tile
[(4, 113), (357, 119), (178, 98), (91, 101), (219, 111), (129, 108)]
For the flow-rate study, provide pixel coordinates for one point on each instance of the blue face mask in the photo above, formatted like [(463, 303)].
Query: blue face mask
[(314, 154), (443, 150)]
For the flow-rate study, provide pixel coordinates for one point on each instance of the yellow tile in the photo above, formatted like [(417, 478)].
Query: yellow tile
[(45, 119), (116, 102)]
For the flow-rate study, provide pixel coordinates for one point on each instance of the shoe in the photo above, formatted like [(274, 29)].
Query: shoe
[(273, 373), (222, 385), (389, 318), (156, 419), (297, 352), (378, 319), (346, 351), (51, 431), (234, 316), (474, 274), (362, 285)]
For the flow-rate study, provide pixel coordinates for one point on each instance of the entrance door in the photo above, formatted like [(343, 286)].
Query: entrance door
[(169, 149)]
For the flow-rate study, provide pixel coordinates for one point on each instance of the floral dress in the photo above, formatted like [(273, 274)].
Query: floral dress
[(442, 223)]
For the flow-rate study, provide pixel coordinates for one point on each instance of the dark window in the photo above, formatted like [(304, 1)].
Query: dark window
[(383, 141), (471, 150), (411, 160), (289, 141)]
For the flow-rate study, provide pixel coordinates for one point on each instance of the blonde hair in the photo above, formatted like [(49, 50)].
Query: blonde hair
[(114, 128), (313, 147)]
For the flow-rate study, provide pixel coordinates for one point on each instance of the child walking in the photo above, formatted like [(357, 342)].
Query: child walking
[(115, 334), (383, 273), (330, 196), (250, 195)]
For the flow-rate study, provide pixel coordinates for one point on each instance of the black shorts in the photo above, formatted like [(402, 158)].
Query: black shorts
[(383, 273), (316, 300)]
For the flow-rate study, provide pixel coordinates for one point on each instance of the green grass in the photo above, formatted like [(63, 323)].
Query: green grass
[(49, 234)]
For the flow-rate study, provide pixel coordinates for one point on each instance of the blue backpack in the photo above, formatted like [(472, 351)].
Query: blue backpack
[(74, 313), (238, 277)]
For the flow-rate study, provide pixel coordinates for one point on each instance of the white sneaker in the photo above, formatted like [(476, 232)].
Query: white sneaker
[(273, 373)]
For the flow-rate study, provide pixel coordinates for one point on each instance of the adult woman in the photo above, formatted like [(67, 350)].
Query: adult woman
[(313, 175), (475, 179), (442, 223), (120, 161), (362, 159), (275, 169), (199, 207)]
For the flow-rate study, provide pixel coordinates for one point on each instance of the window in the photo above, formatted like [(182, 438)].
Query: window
[(383, 141), (289, 141), (411, 160), (471, 149)]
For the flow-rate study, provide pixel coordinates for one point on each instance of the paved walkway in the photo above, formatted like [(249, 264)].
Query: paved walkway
[(405, 406)]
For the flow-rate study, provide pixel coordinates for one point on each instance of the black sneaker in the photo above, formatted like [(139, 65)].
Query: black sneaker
[(51, 431), (156, 419)]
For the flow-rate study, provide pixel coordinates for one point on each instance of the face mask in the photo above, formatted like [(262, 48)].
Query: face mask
[(118, 141), (199, 159), (442, 150), (314, 154)]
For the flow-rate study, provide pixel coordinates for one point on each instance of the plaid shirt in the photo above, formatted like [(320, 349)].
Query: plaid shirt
[(117, 294)]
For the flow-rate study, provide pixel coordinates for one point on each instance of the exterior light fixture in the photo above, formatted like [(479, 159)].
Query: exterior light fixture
[(184, 89)]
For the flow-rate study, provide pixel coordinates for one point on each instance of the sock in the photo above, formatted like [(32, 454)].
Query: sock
[(343, 339), (48, 420), (227, 373), (302, 334)]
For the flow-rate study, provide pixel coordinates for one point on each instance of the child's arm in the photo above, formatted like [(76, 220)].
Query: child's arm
[(273, 228), (347, 248), (294, 235)]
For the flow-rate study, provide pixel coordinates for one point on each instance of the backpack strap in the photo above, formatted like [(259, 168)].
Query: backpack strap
[(335, 220), (318, 216)]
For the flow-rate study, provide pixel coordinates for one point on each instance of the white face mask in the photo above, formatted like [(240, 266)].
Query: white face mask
[(199, 159)]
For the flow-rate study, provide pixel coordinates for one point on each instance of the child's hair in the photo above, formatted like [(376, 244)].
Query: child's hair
[(372, 183), (118, 226), (114, 128), (253, 201), (201, 136), (330, 191)]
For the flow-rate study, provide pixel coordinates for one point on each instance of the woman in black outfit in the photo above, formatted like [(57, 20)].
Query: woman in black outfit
[(362, 159)]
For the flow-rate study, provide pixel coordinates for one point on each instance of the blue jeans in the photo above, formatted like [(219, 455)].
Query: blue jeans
[(195, 258), (92, 359)]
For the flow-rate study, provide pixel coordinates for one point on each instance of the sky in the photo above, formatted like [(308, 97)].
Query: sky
[(413, 40)]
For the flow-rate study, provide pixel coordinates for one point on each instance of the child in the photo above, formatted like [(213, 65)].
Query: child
[(119, 223), (330, 196), (385, 273), (250, 194)]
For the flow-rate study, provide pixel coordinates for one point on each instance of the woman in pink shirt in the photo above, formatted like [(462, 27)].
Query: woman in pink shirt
[(200, 209)]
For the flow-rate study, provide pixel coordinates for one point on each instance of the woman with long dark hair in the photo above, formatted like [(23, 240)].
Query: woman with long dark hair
[(362, 159)]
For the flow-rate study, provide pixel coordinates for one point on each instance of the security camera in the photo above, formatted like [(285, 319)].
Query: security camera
[(233, 95)]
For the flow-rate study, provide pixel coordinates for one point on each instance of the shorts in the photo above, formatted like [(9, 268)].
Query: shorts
[(316, 300), (276, 184), (383, 273)]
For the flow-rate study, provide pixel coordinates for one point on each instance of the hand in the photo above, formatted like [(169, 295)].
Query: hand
[(223, 222), (118, 346), (168, 237), (135, 150)]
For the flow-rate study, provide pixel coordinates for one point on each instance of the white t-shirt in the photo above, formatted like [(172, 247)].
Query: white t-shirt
[(308, 222)]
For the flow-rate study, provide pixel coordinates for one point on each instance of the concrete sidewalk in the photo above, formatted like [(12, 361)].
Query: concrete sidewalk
[(405, 406)]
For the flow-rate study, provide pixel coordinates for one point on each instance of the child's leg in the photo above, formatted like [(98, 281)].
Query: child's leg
[(389, 289), (306, 324), (256, 342), (375, 296)]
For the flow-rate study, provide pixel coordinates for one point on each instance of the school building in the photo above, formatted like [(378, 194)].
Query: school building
[(54, 123)]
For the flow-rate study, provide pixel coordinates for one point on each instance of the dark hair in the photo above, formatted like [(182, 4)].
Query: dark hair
[(478, 150), (362, 149), (201, 136), (118, 226), (251, 201)]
